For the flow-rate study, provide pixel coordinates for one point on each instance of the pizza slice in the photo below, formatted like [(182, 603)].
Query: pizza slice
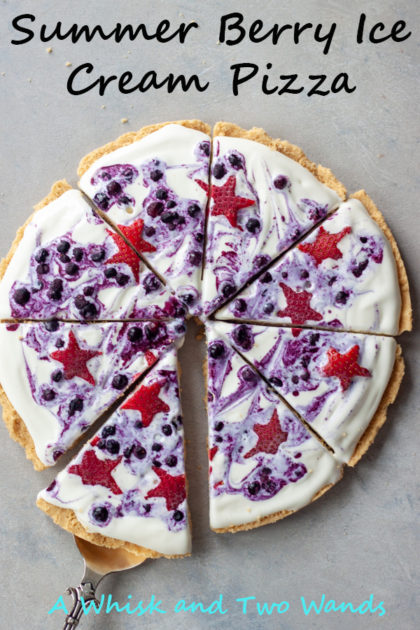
[(340, 383), (150, 185), (60, 377), (126, 487), (264, 463)]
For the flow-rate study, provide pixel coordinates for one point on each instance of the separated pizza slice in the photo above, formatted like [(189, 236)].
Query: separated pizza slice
[(347, 275), (67, 263), (58, 378), (152, 184), (265, 194), (340, 383), (126, 487), (264, 463)]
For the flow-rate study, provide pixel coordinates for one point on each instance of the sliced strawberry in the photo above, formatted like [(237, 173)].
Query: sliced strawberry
[(74, 360), (298, 306), (94, 471), (125, 253), (270, 436), (325, 245), (225, 202), (344, 366), (172, 489), (146, 400)]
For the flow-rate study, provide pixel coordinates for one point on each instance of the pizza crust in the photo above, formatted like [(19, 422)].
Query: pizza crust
[(67, 519), (323, 174), (133, 136)]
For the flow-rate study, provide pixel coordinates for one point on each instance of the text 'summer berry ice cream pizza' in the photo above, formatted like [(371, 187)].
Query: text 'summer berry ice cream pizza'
[(301, 289)]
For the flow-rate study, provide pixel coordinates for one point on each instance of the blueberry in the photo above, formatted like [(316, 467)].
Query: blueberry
[(64, 258), (219, 426), (268, 308), (199, 237), (122, 279), (295, 379), (119, 381), (147, 508), (280, 182), (140, 452), (205, 147), (113, 447), (249, 375), (101, 200), (167, 429), (219, 170), (156, 447), (154, 209), (128, 174), (304, 274), (100, 514), (59, 343), (63, 247), (124, 199), (193, 209), (89, 311), (156, 175), (110, 272), (21, 296), (48, 394), (171, 461), (239, 305), (113, 188), (88, 291), (171, 203), (161, 193), (178, 515), (169, 217), (108, 430), (218, 439), (314, 338), (180, 329), (52, 325), (342, 297), (252, 225), (151, 283), (332, 280), (128, 451), (242, 337), (217, 349), (56, 285), (266, 470), (80, 302), (188, 298), (277, 382), (71, 268), (54, 295), (363, 239), (78, 254), (41, 255), (52, 486), (149, 230), (266, 277), (235, 160), (194, 258), (284, 274), (151, 330), (135, 334), (75, 405), (357, 272), (254, 488), (56, 376), (228, 289), (97, 254)]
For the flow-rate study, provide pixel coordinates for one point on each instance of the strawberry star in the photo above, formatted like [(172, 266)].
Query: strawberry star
[(94, 471), (146, 400), (270, 436), (225, 201), (325, 245), (74, 360), (344, 366), (172, 489), (298, 307), (125, 253)]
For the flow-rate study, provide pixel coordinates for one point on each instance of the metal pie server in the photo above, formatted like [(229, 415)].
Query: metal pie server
[(99, 562)]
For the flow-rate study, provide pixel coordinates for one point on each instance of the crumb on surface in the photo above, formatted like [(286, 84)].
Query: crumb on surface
[(124, 120), (49, 49), (68, 64), (103, 106)]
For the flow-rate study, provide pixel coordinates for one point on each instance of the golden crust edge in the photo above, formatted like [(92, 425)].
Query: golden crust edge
[(67, 519), (257, 134), (380, 416), (133, 136), (406, 315), (18, 431), (57, 189)]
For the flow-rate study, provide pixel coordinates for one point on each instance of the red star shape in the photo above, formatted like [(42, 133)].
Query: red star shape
[(172, 489), (146, 400), (298, 306), (325, 245), (270, 436), (344, 366), (225, 200), (74, 360), (94, 471), (125, 253)]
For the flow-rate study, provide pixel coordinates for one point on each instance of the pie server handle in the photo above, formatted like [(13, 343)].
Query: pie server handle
[(86, 590)]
